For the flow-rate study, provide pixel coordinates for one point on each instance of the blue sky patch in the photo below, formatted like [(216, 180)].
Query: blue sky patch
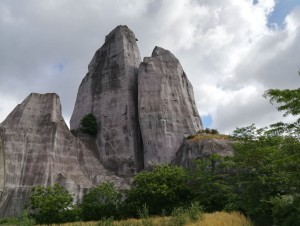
[(207, 121), (282, 9), (59, 67)]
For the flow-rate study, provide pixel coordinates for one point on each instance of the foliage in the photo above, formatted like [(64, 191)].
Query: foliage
[(88, 124), (23, 220), (51, 204), (177, 217), (163, 188), (288, 98), (100, 202), (286, 209), (195, 211), (144, 215), (267, 164), (210, 182)]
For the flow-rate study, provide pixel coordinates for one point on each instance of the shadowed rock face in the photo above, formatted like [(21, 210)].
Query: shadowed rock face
[(37, 148), (109, 92), (167, 110), (199, 149)]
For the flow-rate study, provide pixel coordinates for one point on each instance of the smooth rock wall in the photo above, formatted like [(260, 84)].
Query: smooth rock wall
[(109, 92), (40, 150), (167, 109)]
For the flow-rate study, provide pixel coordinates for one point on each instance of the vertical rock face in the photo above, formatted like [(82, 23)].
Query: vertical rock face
[(37, 148), (109, 92), (167, 110)]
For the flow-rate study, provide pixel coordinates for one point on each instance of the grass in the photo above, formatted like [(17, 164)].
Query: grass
[(208, 219), (205, 136)]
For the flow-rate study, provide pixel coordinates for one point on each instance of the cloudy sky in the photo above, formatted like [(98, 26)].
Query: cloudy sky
[(231, 50)]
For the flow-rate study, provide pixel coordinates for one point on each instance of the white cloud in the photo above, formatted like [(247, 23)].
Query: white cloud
[(225, 46)]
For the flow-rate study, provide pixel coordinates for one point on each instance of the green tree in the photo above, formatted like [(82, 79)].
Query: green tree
[(88, 124), (267, 164), (162, 189), (50, 204), (101, 202), (211, 184)]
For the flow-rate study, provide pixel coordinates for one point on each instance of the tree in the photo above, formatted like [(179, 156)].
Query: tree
[(162, 189), (289, 100), (211, 183), (88, 124), (267, 165), (100, 202), (50, 204)]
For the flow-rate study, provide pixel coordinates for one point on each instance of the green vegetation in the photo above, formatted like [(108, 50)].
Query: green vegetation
[(207, 134), (262, 181), (88, 124), (101, 202), (162, 189), (52, 205), (23, 220)]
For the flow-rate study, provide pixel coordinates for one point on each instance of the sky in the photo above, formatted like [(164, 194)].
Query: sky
[(231, 50)]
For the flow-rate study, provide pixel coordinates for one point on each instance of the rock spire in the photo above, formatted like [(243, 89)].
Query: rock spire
[(167, 109), (109, 92)]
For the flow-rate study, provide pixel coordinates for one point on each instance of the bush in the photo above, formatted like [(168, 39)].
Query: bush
[(100, 202), (88, 124), (51, 204), (23, 220), (163, 188)]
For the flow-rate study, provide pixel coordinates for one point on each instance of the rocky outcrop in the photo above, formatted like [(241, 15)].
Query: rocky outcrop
[(37, 148), (109, 92), (193, 149), (143, 111), (167, 110)]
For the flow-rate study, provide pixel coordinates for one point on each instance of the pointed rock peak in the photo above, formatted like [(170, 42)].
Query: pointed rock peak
[(120, 28), (158, 51)]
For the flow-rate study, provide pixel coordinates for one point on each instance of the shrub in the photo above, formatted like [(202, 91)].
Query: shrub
[(88, 124), (163, 188), (100, 202), (51, 204)]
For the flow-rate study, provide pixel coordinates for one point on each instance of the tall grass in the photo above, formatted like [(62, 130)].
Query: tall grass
[(208, 219)]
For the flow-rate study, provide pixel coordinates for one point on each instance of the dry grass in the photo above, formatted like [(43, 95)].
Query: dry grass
[(209, 219), (223, 219), (205, 136)]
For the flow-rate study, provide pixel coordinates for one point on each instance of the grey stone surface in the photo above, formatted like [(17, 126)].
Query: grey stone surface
[(198, 149), (166, 105), (37, 148), (109, 92)]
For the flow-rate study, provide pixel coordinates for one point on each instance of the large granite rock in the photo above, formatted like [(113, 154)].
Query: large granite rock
[(193, 149), (167, 110), (109, 92), (37, 148)]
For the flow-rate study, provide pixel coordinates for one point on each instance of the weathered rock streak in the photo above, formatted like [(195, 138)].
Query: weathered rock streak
[(167, 109), (39, 149), (109, 91)]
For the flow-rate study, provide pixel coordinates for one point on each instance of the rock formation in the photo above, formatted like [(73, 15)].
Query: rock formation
[(143, 111), (167, 110), (109, 92), (37, 148), (202, 148)]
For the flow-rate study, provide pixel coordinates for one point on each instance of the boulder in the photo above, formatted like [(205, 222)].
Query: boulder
[(203, 147), (166, 106)]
